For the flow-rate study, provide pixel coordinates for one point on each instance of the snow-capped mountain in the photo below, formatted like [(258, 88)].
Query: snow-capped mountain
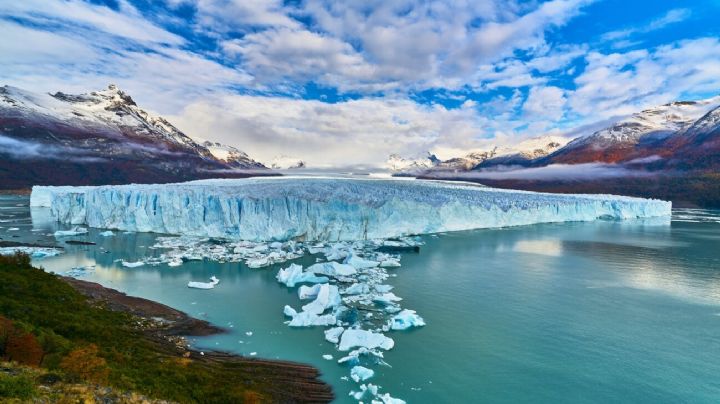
[(231, 155), (284, 162), (411, 165), (650, 131), (519, 154), (94, 138)]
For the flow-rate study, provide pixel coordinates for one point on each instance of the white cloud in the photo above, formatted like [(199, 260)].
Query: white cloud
[(671, 17), (363, 131), (545, 103), (623, 83)]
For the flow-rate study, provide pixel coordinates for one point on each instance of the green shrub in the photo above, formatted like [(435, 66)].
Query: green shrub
[(21, 387)]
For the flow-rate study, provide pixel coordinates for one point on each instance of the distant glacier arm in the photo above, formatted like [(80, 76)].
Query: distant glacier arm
[(325, 209)]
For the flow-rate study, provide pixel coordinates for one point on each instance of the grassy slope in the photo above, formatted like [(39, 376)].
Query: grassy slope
[(64, 321)]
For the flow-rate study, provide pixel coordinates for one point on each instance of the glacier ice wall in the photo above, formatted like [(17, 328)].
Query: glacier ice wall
[(329, 209)]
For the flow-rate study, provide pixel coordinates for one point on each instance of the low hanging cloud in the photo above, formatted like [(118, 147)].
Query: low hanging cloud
[(553, 172), (27, 150)]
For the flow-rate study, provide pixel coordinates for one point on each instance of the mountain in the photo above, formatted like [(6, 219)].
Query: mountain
[(661, 132), (232, 156), (411, 165), (284, 162), (101, 137), (522, 153)]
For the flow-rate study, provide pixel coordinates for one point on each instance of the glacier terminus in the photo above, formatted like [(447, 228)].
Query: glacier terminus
[(325, 209)]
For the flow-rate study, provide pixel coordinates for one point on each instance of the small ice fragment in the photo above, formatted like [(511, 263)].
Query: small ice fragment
[(204, 285), (359, 263), (249, 333), (13, 229), (107, 234), (327, 357), (75, 231), (387, 399), (176, 262), (363, 338), (361, 373), (332, 268), (253, 353), (132, 264), (333, 334), (406, 319), (294, 274)]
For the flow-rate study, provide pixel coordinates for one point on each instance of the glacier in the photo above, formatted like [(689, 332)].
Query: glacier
[(324, 209)]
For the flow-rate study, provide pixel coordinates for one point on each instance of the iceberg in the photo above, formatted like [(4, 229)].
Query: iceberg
[(205, 285), (363, 338), (406, 319), (308, 319), (327, 297), (333, 334), (294, 274), (332, 268), (361, 373), (324, 209), (75, 231), (131, 264)]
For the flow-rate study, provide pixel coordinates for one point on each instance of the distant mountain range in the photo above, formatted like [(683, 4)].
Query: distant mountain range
[(101, 137), (671, 151)]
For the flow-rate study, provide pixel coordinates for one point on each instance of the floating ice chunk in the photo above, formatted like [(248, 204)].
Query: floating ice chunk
[(327, 297), (333, 334), (327, 357), (107, 234), (357, 289), (363, 338), (387, 399), (308, 292), (369, 390), (131, 264), (253, 353), (75, 231), (77, 272), (175, 262), (406, 319), (13, 229), (360, 263), (205, 285), (383, 288), (361, 373), (307, 319), (34, 252), (386, 298), (332, 268), (390, 263), (294, 274)]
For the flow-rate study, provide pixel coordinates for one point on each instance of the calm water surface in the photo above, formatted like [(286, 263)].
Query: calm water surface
[(564, 313)]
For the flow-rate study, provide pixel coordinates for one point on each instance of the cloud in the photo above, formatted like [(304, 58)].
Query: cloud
[(555, 172), (619, 84), (28, 150), (361, 131), (671, 17)]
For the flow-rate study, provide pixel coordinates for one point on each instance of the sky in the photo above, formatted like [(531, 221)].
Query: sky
[(348, 83)]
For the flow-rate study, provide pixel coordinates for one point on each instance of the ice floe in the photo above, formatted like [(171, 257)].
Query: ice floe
[(204, 285), (406, 319), (361, 373), (75, 231), (364, 338)]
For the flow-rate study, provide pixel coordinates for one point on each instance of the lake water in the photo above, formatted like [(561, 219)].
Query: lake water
[(564, 313)]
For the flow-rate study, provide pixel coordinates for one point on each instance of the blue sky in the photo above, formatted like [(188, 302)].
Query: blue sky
[(341, 83)]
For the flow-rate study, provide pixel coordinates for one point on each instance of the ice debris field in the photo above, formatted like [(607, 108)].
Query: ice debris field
[(357, 230), (324, 209)]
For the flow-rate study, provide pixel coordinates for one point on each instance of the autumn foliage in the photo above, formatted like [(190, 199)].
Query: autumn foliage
[(85, 364), (19, 346)]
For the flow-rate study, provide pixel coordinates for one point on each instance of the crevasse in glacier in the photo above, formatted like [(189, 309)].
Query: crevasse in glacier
[(329, 209)]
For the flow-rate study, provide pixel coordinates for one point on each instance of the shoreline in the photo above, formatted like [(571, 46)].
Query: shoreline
[(291, 381)]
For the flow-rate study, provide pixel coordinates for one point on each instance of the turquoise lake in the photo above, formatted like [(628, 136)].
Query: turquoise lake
[(563, 313)]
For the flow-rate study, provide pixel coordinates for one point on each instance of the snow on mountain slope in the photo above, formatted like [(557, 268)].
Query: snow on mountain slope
[(519, 153), (283, 162), (96, 138), (231, 155), (324, 209), (411, 165), (640, 135)]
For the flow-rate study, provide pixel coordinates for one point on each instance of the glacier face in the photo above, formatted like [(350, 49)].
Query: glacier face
[(327, 209)]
